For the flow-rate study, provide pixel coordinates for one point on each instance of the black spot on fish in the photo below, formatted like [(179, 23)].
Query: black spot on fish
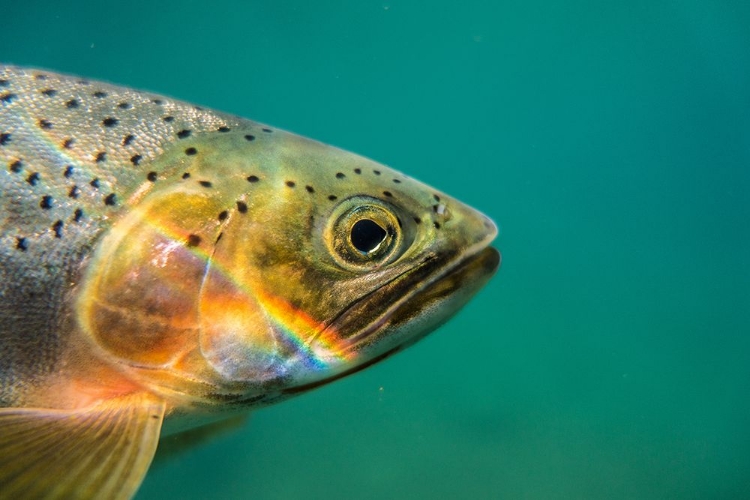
[(124, 105), (40, 76), (110, 122), (191, 151), (46, 202), (376, 172), (290, 184), (74, 192), (223, 129), (387, 193), (242, 207), (436, 224), (267, 130), (101, 157), (309, 189), (110, 199), (417, 220), (7, 97), (136, 159), (333, 197), (16, 166), (193, 240), (94, 183), (437, 198), (33, 179), (151, 176), (45, 124), (205, 184), (22, 244), (158, 102), (4, 138), (253, 178), (397, 181), (71, 104), (99, 94), (128, 139), (357, 171), (68, 171), (249, 137), (49, 92), (223, 215), (186, 175), (168, 119), (77, 215), (340, 175), (57, 227), (68, 143), (182, 134)]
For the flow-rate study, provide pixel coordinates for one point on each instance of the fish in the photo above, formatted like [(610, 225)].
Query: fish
[(166, 267)]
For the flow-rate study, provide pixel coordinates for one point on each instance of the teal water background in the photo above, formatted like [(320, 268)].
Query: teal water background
[(610, 357)]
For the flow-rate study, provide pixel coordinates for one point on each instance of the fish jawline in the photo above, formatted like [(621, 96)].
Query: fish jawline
[(470, 272), (479, 265)]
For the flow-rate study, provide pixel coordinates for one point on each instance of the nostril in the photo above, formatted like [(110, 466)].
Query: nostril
[(441, 210)]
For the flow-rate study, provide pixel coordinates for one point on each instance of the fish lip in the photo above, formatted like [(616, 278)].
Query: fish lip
[(480, 264), (373, 327), (485, 257), (479, 253), (338, 318)]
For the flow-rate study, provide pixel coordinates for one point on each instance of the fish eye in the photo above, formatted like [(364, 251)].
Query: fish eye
[(367, 235), (364, 233)]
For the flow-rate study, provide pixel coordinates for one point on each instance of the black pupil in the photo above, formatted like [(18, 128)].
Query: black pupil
[(367, 235)]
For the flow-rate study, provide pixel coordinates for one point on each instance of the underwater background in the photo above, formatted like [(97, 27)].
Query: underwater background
[(610, 356)]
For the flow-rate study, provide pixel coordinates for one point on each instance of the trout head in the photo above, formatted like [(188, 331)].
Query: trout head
[(256, 264)]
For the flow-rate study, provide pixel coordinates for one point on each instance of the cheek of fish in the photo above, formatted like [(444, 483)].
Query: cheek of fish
[(232, 266)]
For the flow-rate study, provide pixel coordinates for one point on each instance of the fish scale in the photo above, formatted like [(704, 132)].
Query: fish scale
[(42, 150), (27, 98), (166, 266)]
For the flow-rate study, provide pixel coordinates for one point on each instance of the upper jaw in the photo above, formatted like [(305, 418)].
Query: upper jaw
[(461, 272), (376, 318), (416, 296), (408, 319), (432, 304)]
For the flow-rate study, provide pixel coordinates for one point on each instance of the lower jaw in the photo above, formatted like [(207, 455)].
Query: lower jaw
[(431, 306), (357, 368)]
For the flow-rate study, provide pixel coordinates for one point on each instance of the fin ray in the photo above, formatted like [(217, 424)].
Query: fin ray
[(102, 451)]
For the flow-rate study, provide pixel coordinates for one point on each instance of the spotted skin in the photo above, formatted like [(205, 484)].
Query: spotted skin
[(155, 253), (70, 149)]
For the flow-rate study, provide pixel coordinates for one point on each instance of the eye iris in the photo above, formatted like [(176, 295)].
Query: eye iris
[(367, 235)]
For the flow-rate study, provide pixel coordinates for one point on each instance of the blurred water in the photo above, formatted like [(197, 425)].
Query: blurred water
[(610, 357)]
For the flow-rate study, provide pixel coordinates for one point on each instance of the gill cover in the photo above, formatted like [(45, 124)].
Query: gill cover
[(161, 293)]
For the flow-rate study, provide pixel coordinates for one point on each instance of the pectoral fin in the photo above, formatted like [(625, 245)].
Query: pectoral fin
[(102, 451)]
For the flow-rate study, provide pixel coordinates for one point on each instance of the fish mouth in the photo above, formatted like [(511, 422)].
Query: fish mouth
[(440, 298), (414, 302), (428, 295)]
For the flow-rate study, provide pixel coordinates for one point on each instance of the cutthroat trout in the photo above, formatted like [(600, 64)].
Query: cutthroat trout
[(165, 266)]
